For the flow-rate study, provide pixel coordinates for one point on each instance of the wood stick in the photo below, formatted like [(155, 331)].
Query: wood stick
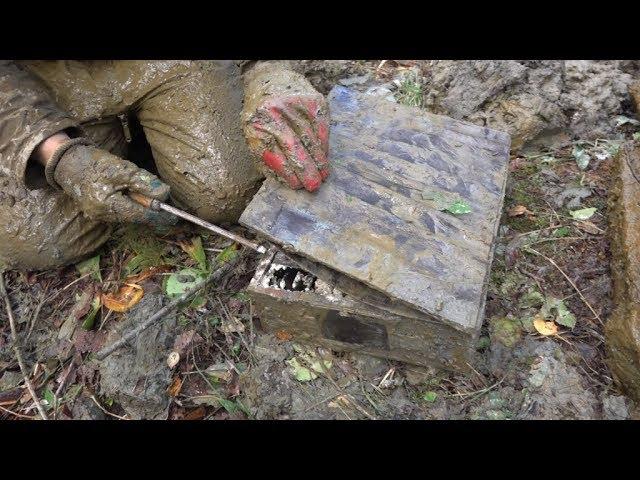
[(16, 348), (133, 333)]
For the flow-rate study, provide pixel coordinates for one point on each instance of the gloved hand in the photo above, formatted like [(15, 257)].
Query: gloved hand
[(286, 123), (98, 181)]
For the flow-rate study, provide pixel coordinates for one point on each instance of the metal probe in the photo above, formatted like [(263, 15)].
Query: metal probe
[(157, 205)]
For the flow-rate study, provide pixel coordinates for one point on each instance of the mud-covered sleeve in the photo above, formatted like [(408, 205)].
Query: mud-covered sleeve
[(28, 116), (248, 68)]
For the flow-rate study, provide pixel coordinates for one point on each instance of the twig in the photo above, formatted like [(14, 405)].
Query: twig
[(552, 262), (36, 313), (107, 411), (16, 348), (349, 398), (213, 277), (10, 412)]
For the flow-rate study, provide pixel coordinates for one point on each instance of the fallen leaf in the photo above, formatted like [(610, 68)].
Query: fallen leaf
[(518, 210), (90, 319), (195, 250), (283, 335), (227, 254), (543, 327), (219, 371), (583, 213), (197, 414), (430, 397), (186, 341), (623, 120), (581, 156), (149, 272), (307, 356), (91, 266), (232, 325), (173, 359), (124, 299), (556, 309), (182, 281), (175, 387), (561, 232), (458, 208), (300, 373), (588, 227)]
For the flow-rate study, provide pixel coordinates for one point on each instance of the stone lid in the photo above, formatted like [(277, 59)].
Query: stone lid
[(378, 217)]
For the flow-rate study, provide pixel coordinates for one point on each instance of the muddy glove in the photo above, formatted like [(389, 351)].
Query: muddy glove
[(286, 123), (98, 182)]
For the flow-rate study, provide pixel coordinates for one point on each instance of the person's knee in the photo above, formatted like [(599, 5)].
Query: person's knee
[(220, 199), (194, 129)]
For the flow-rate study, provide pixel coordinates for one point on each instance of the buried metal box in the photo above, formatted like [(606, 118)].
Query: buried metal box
[(393, 273)]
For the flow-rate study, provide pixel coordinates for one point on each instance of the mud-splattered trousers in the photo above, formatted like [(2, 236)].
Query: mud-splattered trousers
[(189, 112)]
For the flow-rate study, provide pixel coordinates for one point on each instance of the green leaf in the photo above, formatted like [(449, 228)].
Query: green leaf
[(246, 411), (636, 136), (623, 120), (50, 398), (91, 266), (458, 208), (532, 298), (583, 214), (227, 254), (561, 232), (196, 251), (229, 405), (430, 396), (90, 319), (548, 159), (581, 156), (179, 282), (301, 373), (562, 316)]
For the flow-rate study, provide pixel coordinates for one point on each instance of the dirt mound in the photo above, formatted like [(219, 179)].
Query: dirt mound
[(532, 99)]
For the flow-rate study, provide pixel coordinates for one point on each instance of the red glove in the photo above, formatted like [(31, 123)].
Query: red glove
[(287, 126)]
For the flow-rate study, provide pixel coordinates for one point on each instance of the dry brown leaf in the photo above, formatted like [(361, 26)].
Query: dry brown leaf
[(518, 210), (543, 327), (125, 298), (197, 414), (588, 227), (283, 335), (175, 387), (149, 272), (173, 359), (231, 325)]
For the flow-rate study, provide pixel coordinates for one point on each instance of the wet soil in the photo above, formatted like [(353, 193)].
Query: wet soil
[(229, 368)]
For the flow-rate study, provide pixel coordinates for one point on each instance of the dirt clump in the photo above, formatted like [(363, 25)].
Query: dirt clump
[(623, 327), (137, 376), (530, 99)]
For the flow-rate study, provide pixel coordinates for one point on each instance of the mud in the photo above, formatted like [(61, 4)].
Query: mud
[(44, 228), (623, 327), (137, 376), (634, 91), (531, 100)]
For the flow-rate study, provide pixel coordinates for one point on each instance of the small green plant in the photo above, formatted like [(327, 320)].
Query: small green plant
[(410, 92)]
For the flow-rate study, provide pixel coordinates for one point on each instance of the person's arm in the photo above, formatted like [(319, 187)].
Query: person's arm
[(286, 123), (36, 148), (31, 123)]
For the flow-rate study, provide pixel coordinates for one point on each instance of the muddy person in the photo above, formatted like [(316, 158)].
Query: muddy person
[(215, 128)]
